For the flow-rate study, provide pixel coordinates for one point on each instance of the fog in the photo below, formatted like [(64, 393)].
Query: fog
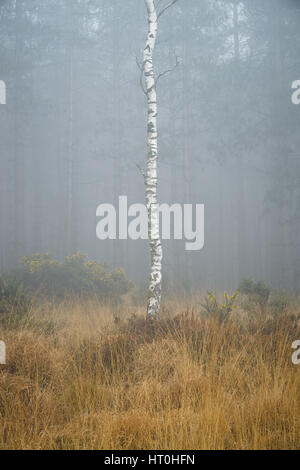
[(73, 133)]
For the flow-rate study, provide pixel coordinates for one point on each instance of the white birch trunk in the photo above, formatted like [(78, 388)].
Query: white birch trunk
[(154, 292)]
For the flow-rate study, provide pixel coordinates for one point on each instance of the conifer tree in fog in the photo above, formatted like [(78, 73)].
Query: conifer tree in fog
[(151, 175)]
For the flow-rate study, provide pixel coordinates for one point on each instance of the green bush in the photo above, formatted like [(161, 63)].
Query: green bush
[(45, 277), (257, 293), (279, 302), (12, 297), (220, 311)]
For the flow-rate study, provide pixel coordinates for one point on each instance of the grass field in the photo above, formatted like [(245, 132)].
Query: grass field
[(78, 376)]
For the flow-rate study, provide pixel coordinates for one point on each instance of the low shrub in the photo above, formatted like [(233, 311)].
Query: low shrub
[(220, 311), (13, 299), (279, 302), (45, 277), (256, 293)]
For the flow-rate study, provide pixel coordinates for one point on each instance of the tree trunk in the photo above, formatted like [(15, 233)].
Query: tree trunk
[(70, 249), (154, 292), (16, 235), (70, 162), (242, 266)]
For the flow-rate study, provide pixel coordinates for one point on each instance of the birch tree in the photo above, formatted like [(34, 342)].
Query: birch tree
[(151, 175)]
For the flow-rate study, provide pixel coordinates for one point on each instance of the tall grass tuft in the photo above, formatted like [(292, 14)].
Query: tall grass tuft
[(80, 375)]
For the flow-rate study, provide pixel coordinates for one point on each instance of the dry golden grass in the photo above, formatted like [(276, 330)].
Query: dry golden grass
[(76, 380)]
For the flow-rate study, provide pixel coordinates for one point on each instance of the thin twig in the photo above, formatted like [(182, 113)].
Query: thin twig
[(158, 2), (141, 171), (166, 8), (138, 64), (141, 76), (168, 71)]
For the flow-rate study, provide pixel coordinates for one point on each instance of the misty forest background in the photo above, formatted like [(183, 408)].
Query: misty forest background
[(74, 127)]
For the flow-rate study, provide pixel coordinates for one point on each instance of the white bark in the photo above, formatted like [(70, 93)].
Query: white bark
[(154, 292)]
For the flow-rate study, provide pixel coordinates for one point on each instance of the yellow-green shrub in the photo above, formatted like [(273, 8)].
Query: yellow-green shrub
[(43, 276)]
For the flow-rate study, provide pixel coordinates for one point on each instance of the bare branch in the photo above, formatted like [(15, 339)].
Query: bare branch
[(141, 171), (141, 76), (158, 2), (166, 8), (168, 71), (138, 64)]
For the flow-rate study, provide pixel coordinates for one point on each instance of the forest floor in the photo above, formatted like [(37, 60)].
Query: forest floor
[(78, 376)]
